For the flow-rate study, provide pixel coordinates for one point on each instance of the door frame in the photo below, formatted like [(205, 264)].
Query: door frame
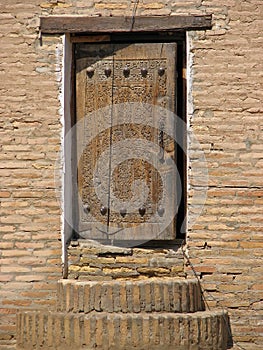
[(180, 39)]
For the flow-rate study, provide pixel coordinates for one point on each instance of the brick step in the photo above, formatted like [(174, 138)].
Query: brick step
[(103, 331), (151, 295)]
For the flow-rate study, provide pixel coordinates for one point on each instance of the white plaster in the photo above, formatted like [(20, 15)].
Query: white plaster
[(62, 120), (59, 167), (199, 190), (189, 109), (67, 188), (189, 75), (63, 70)]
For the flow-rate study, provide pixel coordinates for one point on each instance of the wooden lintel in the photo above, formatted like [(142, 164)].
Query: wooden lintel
[(84, 24)]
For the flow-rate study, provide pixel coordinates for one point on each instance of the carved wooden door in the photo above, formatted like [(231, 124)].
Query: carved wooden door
[(125, 100)]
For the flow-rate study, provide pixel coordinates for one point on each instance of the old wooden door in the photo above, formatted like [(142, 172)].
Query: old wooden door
[(124, 93)]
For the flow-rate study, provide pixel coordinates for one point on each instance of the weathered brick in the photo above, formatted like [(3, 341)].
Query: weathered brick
[(122, 331), (167, 295), (5, 194)]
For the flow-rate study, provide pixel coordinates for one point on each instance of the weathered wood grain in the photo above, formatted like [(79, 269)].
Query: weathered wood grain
[(85, 24)]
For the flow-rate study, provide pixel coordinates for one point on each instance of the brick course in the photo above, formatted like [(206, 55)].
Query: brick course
[(225, 244), (94, 261)]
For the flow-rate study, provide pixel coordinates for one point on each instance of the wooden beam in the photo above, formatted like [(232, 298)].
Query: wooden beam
[(84, 24)]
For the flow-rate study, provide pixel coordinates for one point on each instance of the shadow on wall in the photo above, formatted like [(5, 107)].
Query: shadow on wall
[(230, 343)]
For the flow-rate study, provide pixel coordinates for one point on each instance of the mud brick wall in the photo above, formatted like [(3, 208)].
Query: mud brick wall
[(91, 261), (30, 132), (226, 242), (224, 113)]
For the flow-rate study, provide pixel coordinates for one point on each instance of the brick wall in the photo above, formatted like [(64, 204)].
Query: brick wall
[(226, 242), (92, 261), (225, 114), (30, 132)]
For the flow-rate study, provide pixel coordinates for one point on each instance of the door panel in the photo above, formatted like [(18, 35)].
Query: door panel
[(120, 188), (93, 92)]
